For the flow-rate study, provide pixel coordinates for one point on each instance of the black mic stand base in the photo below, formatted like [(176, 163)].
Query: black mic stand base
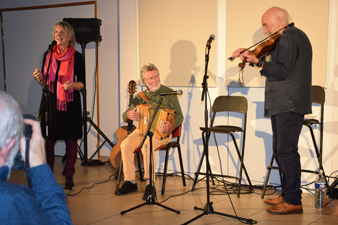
[(150, 201), (208, 209)]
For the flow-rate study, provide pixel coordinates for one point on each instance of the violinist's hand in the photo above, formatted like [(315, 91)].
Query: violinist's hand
[(165, 127), (236, 53), (133, 114), (249, 58)]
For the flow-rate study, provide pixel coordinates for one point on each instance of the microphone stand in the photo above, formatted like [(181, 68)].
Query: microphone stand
[(208, 209), (151, 200), (45, 97)]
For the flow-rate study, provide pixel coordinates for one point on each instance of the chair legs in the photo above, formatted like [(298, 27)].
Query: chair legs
[(268, 175), (166, 167), (200, 166), (242, 166), (318, 156), (119, 176), (319, 153), (120, 171), (139, 166), (181, 164)]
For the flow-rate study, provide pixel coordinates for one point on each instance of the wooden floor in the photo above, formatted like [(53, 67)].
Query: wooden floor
[(92, 201)]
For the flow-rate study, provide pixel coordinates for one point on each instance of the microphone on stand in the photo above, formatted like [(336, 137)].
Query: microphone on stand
[(51, 46), (211, 38), (178, 92)]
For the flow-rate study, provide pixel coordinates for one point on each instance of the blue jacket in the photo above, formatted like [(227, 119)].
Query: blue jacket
[(44, 203)]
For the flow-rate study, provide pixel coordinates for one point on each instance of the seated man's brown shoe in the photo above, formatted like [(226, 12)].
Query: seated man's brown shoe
[(274, 201), (285, 208)]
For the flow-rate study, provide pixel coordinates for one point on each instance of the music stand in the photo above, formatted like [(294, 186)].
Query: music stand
[(151, 200), (208, 209)]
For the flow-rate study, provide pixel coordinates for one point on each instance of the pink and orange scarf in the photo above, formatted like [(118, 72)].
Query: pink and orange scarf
[(66, 73)]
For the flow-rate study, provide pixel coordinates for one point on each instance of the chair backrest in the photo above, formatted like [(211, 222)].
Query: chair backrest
[(318, 94), (175, 134), (177, 131), (230, 103), (237, 104)]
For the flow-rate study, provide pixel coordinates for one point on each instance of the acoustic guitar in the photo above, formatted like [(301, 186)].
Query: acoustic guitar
[(122, 132)]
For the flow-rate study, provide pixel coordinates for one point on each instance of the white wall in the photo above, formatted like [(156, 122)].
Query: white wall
[(259, 135), (118, 64)]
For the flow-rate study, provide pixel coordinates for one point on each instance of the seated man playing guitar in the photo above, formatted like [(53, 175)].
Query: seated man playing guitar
[(151, 78)]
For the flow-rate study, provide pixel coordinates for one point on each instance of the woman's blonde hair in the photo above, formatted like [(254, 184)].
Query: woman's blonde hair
[(68, 28)]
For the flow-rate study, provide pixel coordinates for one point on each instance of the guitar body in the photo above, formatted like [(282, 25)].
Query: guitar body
[(122, 132), (115, 154)]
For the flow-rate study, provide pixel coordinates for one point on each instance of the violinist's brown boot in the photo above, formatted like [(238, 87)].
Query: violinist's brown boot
[(274, 201), (285, 208)]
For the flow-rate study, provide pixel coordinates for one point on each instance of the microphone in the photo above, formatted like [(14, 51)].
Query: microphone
[(211, 38), (51, 46), (178, 92)]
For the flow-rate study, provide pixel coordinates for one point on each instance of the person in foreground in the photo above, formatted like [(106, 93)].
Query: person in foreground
[(151, 78), (287, 99), (45, 201), (65, 79)]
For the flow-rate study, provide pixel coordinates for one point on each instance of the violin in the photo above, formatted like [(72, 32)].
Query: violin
[(264, 47)]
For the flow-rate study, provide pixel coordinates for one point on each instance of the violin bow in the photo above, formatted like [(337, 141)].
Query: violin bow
[(232, 58)]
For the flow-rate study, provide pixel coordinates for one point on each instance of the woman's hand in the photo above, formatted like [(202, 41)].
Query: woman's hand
[(68, 85), (38, 76)]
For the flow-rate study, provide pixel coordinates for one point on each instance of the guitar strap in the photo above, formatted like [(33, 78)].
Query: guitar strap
[(143, 96)]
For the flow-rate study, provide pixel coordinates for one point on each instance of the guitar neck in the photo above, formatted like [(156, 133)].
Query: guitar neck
[(130, 123), (131, 97)]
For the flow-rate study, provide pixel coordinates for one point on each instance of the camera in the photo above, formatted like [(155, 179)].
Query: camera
[(19, 163)]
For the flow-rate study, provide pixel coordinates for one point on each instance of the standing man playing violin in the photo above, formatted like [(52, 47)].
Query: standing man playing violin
[(287, 99)]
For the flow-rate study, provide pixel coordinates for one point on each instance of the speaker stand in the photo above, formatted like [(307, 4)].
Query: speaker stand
[(88, 119)]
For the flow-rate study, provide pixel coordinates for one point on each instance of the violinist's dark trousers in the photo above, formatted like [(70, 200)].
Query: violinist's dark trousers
[(286, 128)]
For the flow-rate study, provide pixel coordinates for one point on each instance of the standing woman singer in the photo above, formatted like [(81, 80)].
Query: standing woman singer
[(66, 77)]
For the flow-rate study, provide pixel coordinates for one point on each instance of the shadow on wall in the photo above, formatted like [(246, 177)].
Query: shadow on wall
[(183, 61), (183, 68)]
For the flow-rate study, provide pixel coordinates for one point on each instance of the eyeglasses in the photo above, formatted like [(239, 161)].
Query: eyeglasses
[(149, 79)]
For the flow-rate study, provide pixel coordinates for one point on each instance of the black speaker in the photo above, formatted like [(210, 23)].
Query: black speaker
[(86, 29)]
